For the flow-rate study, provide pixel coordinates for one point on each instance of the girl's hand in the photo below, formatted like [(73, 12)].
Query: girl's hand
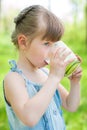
[(76, 76), (58, 62), (79, 58)]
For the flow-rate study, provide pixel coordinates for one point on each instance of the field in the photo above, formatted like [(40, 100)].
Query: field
[(76, 40)]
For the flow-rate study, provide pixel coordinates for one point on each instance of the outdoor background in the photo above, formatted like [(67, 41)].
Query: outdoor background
[(73, 13)]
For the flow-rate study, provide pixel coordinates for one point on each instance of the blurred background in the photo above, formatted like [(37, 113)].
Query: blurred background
[(73, 13)]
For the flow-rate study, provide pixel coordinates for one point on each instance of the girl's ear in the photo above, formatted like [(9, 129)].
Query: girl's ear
[(22, 41)]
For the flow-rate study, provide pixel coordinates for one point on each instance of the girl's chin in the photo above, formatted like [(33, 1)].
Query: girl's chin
[(43, 65)]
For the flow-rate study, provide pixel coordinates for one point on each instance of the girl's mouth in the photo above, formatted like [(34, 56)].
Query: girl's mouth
[(47, 61)]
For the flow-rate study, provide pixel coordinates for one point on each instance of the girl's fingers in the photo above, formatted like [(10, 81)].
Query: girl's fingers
[(62, 53), (78, 70), (77, 74), (79, 58)]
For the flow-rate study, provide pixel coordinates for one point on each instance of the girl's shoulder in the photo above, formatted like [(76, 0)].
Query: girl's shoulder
[(12, 76), (12, 79)]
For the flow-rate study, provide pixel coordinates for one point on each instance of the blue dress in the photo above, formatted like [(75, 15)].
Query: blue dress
[(52, 118)]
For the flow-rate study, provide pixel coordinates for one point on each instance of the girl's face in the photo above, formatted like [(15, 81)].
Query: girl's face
[(38, 51)]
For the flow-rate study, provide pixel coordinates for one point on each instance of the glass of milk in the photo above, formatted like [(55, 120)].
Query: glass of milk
[(71, 67)]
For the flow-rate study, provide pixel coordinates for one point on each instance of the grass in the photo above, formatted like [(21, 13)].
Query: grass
[(75, 39), (6, 53)]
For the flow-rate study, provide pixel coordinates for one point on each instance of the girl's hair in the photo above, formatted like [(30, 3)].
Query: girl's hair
[(36, 20)]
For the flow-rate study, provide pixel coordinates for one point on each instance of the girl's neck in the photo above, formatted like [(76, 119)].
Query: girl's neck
[(24, 64), (32, 73)]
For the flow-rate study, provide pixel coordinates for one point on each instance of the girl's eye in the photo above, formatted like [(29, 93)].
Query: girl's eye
[(46, 44)]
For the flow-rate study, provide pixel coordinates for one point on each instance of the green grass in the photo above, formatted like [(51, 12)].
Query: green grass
[(6, 52), (75, 39)]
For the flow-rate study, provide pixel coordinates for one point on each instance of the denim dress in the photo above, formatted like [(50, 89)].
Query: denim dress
[(52, 118)]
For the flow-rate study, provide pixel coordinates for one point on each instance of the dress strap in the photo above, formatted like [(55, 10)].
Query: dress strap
[(14, 68)]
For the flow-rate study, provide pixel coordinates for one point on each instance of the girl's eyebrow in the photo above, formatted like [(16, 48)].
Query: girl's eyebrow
[(49, 41)]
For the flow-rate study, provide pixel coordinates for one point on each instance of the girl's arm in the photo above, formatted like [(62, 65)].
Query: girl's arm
[(28, 110), (71, 99)]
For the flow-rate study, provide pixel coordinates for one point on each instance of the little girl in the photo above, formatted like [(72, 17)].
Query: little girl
[(34, 95)]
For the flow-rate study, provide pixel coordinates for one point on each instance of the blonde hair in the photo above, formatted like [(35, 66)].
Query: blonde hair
[(35, 20)]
